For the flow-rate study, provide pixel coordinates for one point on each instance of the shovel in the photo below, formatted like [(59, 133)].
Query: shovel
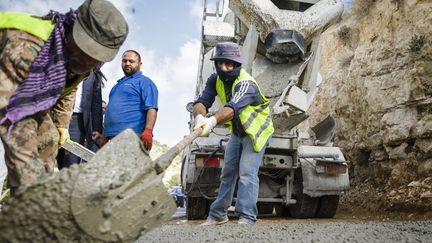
[(116, 196)]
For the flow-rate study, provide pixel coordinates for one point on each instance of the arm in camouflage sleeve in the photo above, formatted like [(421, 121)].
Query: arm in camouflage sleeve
[(61, 113)]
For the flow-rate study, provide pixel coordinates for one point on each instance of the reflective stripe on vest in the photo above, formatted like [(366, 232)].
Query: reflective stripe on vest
[(256, 120), (25, 22)]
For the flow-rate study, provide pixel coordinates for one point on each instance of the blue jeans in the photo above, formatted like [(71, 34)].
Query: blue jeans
[(240, 162)]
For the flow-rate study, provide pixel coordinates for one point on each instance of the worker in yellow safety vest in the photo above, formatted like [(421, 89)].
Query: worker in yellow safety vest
[(246, 112)]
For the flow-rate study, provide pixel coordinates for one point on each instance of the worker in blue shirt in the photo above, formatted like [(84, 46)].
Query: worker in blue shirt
[(133, 102)]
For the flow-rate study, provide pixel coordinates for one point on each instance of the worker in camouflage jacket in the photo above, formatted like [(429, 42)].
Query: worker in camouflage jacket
[(42, 61)]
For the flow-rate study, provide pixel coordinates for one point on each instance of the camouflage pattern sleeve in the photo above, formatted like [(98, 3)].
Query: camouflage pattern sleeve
[(61, 113), (18, 51)]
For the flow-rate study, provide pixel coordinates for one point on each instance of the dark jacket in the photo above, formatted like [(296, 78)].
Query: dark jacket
[(91, 104)]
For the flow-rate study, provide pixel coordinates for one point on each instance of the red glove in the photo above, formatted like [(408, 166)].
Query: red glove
[(147, 138), (104, 140)]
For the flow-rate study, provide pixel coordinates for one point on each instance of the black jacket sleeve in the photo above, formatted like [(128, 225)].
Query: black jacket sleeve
[(207, 97), (96, 106)]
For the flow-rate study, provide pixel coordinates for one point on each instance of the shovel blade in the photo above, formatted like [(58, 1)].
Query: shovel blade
[(118, 194)]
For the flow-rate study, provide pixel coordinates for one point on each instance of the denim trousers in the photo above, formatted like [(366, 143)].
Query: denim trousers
[(241, 163)]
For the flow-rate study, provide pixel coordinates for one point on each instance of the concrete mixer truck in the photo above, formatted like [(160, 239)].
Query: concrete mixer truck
[(302, 174)]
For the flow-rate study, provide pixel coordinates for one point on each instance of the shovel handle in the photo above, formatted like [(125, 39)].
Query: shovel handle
[(165, 159)]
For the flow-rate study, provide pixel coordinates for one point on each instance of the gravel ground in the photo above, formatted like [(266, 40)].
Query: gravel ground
[(289, 230)]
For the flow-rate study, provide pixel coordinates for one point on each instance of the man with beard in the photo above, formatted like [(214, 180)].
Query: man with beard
[(42, 61), (133, 102), (247, 115)]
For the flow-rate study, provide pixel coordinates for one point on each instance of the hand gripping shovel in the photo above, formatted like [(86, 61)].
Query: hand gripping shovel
[(115, 197)]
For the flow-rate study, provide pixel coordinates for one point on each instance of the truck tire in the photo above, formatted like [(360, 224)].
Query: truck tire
[(265, 208), (305, 206), (327, 206), (282, 210), (196, 208)]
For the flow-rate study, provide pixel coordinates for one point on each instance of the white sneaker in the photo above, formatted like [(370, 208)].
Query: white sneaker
[(243, 221), (211, 221)]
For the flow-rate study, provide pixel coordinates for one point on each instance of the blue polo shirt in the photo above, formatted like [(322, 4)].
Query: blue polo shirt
[(128, 103)]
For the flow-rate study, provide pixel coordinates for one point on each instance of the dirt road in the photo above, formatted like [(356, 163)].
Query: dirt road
[(272, 229)]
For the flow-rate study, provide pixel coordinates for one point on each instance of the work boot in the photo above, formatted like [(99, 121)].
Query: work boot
[(211, 221), (243, 221)]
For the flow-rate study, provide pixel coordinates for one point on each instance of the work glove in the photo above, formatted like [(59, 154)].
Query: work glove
[(104, 140), (64, 135), (198, 119), (207, 124), (147, 138)]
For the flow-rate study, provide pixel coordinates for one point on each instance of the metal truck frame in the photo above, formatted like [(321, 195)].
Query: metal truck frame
[(302, 174)]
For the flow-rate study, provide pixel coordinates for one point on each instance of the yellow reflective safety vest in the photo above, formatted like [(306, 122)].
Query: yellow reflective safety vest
[(256, 120), (40, 28)]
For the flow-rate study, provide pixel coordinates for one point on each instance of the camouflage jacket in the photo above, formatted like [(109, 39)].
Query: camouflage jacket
[(17, 65)]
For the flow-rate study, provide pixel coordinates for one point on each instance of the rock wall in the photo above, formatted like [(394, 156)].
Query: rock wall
[(174, 169), (376, 65)]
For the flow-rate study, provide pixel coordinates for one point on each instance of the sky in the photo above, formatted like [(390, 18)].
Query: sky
[(167, 35)]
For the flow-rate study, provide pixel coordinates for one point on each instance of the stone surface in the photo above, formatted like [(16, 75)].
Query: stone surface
[(423, 128), (398, 152), (296, 231), (424, 147), (377, 83), (414, 184)]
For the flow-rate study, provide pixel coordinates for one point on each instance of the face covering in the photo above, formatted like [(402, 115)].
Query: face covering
[(230, 76)]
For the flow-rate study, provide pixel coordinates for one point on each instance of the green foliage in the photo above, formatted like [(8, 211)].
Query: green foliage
[(174, 181), (5, 193)]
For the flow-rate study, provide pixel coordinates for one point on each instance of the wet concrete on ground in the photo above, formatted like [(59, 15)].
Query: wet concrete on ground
[(345, 227)]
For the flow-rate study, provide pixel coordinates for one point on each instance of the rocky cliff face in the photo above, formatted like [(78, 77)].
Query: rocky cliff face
[(376, 66), (173, 171)]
